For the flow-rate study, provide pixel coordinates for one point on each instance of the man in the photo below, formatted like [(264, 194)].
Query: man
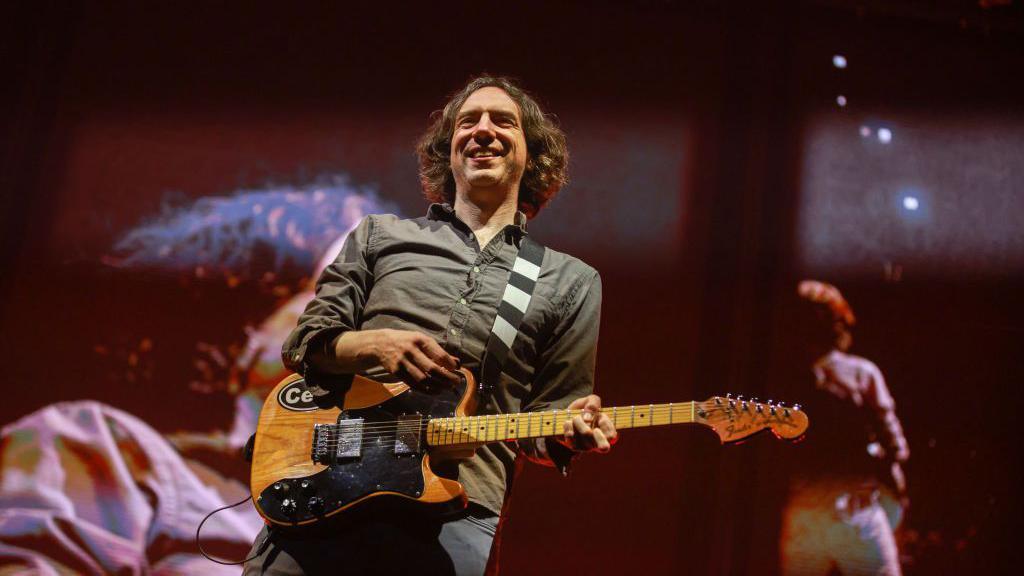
[(418, 298), (835, 520)]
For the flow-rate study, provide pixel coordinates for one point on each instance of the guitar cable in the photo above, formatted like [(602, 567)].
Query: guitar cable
[(262, 547)]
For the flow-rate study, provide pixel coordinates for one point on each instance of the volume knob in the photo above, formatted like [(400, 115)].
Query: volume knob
[(316, 504), (288, 506)]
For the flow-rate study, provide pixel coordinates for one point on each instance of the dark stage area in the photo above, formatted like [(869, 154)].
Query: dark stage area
[(174, 173)]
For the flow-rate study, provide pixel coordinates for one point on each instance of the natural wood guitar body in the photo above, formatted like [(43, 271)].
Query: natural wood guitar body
[(284, 439)]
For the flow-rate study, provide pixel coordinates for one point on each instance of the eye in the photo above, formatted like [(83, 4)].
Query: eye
[(466, 121), (505, 121)]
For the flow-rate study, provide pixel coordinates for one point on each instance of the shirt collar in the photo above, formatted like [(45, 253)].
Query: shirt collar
[(445, 211)]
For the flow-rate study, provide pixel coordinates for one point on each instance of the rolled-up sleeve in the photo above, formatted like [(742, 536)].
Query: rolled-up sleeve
[(341, 294)]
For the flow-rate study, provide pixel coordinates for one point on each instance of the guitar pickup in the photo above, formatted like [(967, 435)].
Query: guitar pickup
[(407, 435), (335, 441), (349, 438)]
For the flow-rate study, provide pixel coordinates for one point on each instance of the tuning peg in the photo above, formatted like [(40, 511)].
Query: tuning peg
[(718, 400), (796, 407), (728, 395), (771, 402), (760, 408)]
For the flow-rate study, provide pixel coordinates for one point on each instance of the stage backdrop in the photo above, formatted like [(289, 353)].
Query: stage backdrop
[(177, 178)]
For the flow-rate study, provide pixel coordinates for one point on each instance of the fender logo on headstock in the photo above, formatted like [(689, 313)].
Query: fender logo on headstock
[(734, 419)]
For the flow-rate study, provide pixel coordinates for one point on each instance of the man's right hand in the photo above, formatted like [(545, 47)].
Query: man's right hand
[(412, 356)]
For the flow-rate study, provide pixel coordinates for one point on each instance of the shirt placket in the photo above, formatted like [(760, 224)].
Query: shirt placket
[(476, 277)]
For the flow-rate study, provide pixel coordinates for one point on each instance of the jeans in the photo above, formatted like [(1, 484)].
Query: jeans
[(459, 545)]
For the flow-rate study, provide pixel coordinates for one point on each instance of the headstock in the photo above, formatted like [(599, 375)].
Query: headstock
[(735, 419)]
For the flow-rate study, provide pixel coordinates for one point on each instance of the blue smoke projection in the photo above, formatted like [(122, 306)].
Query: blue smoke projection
[(254, 234)]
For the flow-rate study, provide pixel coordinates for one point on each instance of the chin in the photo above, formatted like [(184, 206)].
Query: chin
[(483, 180)]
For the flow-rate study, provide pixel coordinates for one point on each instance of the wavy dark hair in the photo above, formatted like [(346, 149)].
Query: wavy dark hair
[(547, 155)]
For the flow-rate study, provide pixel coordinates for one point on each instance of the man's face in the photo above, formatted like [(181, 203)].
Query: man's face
[(488, 145)]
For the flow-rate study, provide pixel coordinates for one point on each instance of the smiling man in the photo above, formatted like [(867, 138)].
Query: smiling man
[(419, 297)]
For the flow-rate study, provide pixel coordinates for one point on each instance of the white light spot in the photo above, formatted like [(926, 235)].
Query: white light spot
[(865, 132), (839, 61), (884, 135), (911, 203), (841, 100)]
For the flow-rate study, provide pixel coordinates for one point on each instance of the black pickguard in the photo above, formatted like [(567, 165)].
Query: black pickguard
[(377, 468)]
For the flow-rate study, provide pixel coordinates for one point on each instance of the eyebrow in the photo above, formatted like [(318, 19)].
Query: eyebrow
[(477, 110)]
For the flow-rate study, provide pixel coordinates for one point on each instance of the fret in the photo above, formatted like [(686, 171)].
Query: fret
[(515, 426)]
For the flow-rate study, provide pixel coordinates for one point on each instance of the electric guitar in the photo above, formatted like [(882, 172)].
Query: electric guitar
[(313, 460)]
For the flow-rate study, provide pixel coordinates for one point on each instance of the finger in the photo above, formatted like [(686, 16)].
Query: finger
[(593, 403), (583, 433), (412, 371), (577, 404), (428, 366), (437, 354), (607, 427), (600, 442)]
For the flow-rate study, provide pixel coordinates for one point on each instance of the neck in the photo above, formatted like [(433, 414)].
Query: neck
[(499, 427), (486, 213)]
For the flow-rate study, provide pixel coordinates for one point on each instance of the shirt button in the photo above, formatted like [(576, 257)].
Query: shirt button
[(476, 268), (296, 357), (454, 331), (462, 301)]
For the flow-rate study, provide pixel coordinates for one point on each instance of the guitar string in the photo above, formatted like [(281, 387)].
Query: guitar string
[(639, 412), (443, 428), (531, 418)]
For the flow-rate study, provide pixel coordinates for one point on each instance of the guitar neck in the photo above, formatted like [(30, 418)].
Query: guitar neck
[(501, 427)]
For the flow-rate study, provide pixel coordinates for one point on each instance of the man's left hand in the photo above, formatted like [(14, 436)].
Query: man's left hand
[(591, 430)]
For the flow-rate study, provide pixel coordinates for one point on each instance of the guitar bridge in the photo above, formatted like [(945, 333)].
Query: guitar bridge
[(332, 442)]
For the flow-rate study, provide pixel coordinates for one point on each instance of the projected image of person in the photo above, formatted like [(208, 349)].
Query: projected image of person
[(87, 488), (848, 487), (418, 298)]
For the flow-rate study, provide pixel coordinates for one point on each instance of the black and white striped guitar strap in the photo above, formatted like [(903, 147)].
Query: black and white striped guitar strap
[(514, 303)]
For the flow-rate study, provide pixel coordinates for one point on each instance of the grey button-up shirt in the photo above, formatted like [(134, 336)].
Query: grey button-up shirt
[(430, 275)]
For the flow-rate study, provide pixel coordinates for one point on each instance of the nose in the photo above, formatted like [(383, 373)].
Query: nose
[(483, 132)]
